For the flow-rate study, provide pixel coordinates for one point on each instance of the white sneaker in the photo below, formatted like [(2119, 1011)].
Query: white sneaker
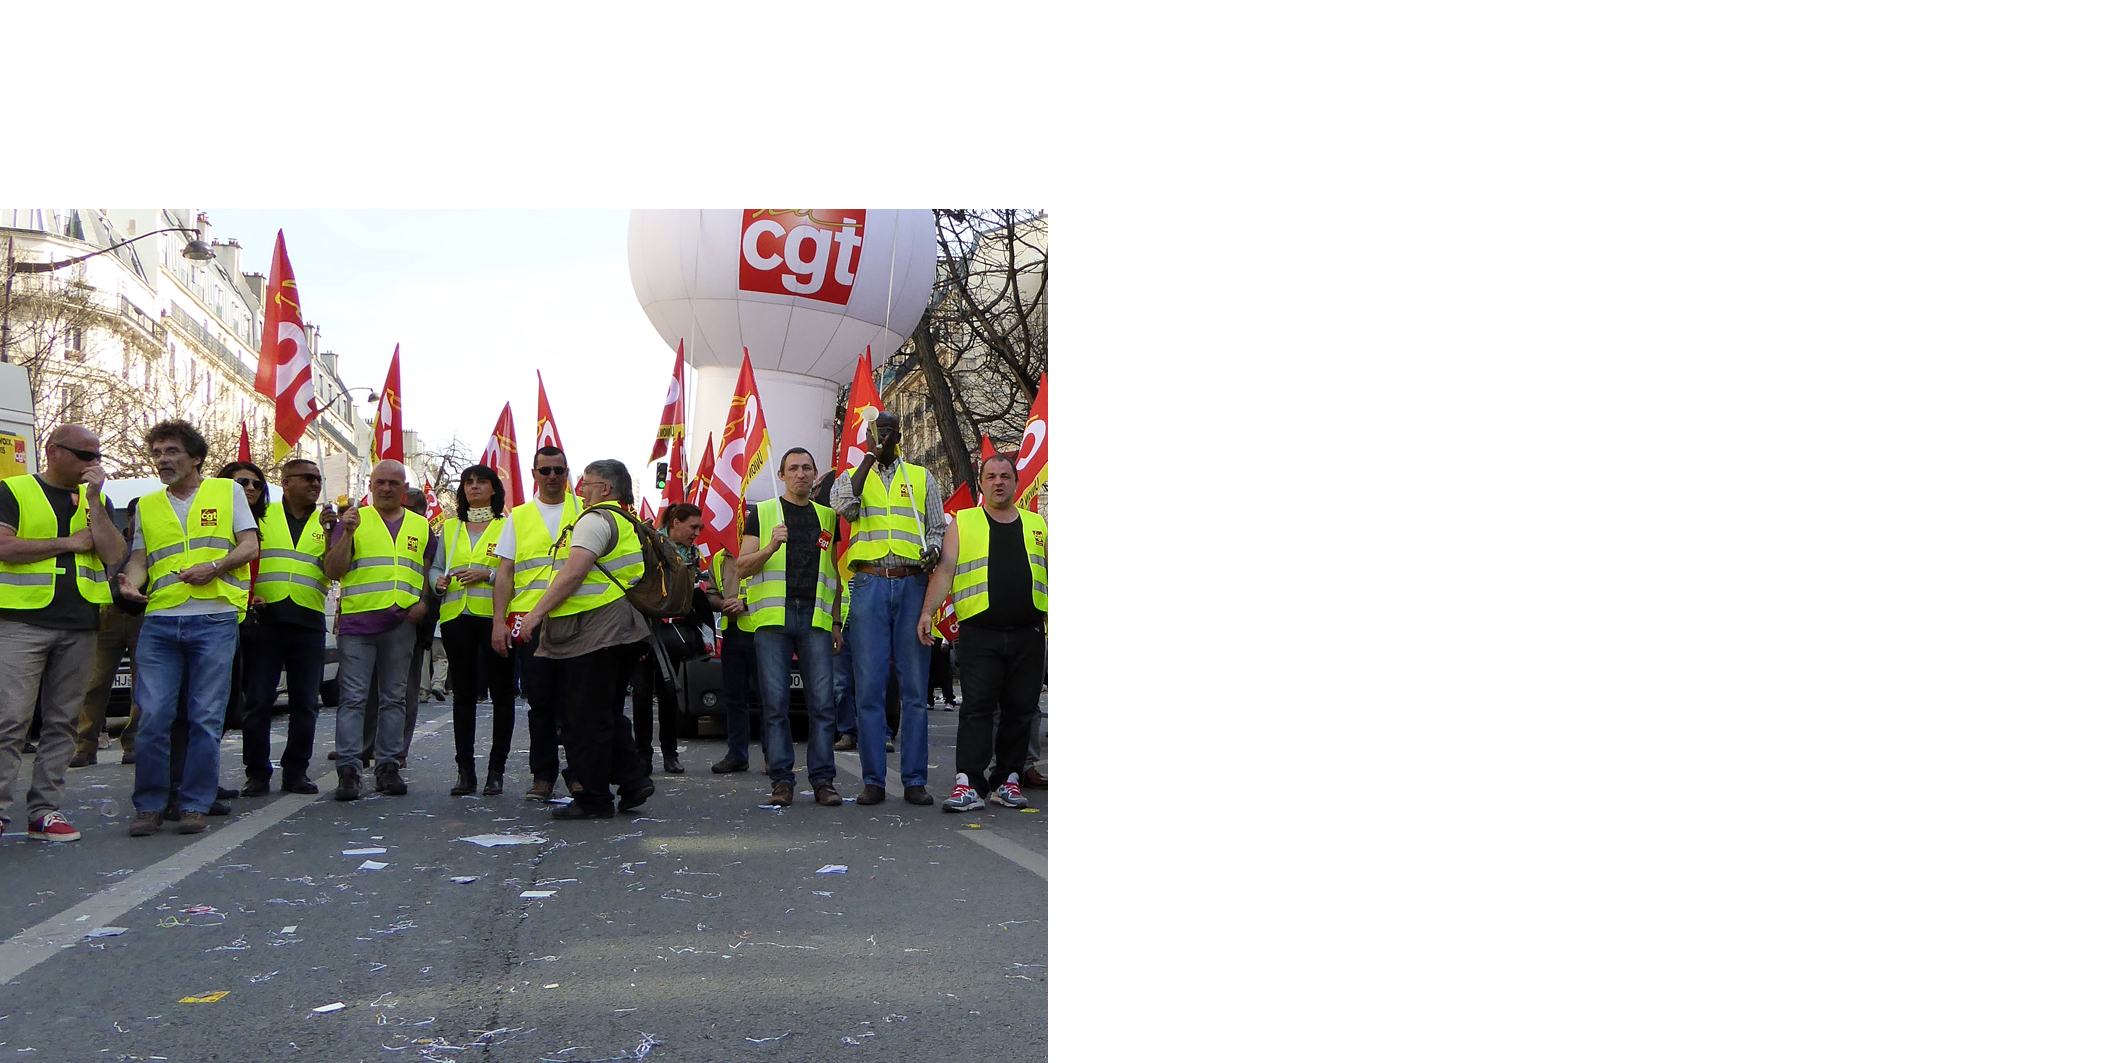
[(963, 798), (1008, 794)]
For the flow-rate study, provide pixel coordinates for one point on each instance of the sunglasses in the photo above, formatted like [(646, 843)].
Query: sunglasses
[(85, 455), (299, 476), (552, 470), (249, 482)]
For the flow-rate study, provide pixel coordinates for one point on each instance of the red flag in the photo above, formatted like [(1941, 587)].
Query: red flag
[(549, 433), (1033, 451), (501, 456), (284, 356), (673, 424), (945, 620), (387, 438), (642, 510), (989, 449), (864, 407), (698, 484), (243, 441), (740, 453)]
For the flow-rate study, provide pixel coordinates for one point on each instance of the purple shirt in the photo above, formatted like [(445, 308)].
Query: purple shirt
[(378, 621)]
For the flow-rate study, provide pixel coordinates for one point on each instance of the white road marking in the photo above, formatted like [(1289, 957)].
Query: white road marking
[(1008, 849)]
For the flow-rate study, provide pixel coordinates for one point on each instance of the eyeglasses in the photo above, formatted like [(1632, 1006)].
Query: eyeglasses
[(552, 470), (299, 476), (249, 482), (85, 455)]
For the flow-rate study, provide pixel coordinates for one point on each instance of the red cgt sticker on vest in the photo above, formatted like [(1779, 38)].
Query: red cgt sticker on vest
[(825, 541), (210, 518)]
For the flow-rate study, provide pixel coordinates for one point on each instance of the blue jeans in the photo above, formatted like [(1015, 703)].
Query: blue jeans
[(189, 657), (844, 691), (883, 614), (381, 661), (815, 661)]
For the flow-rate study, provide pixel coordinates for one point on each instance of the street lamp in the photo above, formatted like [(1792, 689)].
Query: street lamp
[(196, 249)]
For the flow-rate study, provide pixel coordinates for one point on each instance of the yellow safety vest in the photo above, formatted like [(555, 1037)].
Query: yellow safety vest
[(31, 584), (743, 621), (534, 567), (767, 590), (623, 560), (457, 537), (291, 569), (970, 577), (207, 535), (386, 571), (891, 518)]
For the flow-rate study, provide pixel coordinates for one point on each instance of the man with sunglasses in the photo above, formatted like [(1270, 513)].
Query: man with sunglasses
[(289, 604), (56, 537), (524, 569)]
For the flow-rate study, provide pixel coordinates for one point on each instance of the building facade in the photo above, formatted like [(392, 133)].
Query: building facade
[(141, 333)]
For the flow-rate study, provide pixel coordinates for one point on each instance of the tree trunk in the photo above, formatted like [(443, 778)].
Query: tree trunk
[(948, 416)]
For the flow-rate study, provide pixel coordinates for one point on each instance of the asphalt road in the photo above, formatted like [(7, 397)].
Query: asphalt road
[(697, 927)]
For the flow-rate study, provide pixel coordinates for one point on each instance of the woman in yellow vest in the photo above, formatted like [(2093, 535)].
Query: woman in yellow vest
[(464, 573), (593, 634)]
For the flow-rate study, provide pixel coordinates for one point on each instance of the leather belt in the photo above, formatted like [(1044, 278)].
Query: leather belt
[(894, 572)]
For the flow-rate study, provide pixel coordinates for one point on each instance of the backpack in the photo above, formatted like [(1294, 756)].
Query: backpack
[(666, 588)]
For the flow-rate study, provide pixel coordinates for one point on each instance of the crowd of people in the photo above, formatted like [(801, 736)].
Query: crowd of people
[(219, 592)]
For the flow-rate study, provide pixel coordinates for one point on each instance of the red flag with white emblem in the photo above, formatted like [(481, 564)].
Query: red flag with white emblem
[(387, 440), (284, 356), (740, 453), (549, 433), (501, 456), (1033, 451), (864, 407), (673, 423)]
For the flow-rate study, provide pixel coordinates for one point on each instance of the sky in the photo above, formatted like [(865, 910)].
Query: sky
[(476, 300)]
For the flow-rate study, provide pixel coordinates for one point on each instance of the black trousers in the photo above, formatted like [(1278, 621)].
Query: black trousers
[(649, 682), (539, 679), (941, 669), (474, 667), (269, 649), (739, 690), (1000, 676), (594, 696)]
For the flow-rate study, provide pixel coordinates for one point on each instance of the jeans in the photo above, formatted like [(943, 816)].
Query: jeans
[(600, 754), (187, 658), (815, 661), (373, 671), (883, 614), (844, 691), (1000, 676), (302, 652), (474, 666), (540, 680), (55, 662), (739, 682)]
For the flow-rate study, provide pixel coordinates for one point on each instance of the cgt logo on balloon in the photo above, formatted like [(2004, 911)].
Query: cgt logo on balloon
[(809, 253)]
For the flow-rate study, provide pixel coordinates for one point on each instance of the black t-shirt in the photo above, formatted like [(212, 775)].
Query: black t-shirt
[(285, 611), (800, 554), (1010, 580), (68, 611)]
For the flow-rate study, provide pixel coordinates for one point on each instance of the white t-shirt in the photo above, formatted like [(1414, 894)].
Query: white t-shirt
[(244, 522), (552, 515)]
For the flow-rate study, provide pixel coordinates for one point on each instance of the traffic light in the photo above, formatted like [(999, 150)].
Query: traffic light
[(662, 468)]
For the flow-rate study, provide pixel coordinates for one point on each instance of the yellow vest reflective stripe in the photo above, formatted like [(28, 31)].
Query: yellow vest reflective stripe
[(743, 621), (624, 561), (291, 569), (767, 590), (457, 537), (534, 567), (32, 584), (207, 534), (891, 518), (387, 570), (970, 576)]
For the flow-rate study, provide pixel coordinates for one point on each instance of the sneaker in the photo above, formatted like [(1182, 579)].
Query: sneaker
[(918, 795), (845, 744), (144, 824), (824, 793), (350, 783), (192, 823), (296, 782), (963, 798), (872, 795), (728, 765), (388, 781), (1008, 794), (782, 793), (53, 827), (257, 786)]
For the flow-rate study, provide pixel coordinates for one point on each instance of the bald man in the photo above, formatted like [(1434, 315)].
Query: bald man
[(56, 537), (380, 555)]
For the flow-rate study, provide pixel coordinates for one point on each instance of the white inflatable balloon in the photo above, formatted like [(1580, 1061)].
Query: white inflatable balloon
[(804, 291)]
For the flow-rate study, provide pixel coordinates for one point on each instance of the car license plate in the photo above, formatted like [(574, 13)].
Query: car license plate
[(797, 682), (123, 681)]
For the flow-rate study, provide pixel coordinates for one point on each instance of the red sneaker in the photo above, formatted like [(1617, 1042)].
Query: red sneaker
[(53, 827)]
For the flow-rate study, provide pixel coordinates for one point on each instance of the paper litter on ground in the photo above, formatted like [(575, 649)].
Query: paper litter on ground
[(372, 865), (463, 879), (489, 841), (833, 869), (537, 894), (328, 1008), (374, 850), (106, 932)]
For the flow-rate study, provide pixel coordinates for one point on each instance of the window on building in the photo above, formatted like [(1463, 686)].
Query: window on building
[(76, 342)]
